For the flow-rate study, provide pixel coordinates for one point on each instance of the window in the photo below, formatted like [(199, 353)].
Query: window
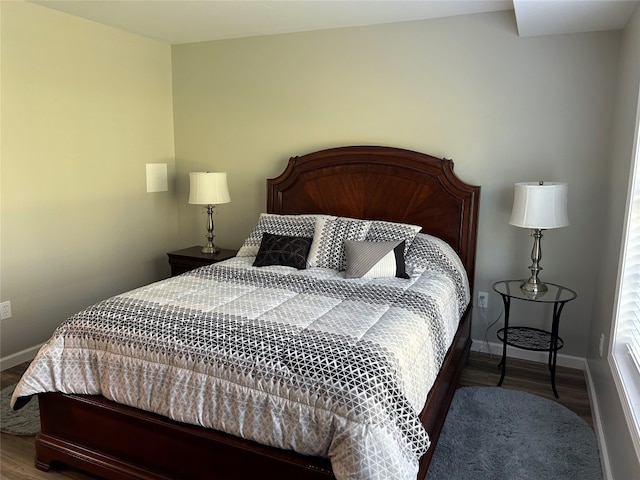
[(626, 349)]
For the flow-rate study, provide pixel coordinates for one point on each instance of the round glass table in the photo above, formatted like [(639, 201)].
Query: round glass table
[(529, 338)]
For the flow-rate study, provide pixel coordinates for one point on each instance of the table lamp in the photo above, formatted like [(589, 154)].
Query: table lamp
[(210, 189), (539, 206)]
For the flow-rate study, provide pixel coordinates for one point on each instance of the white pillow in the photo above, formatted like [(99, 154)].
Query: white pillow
[(327, 248), (285, 225), (382, 231)]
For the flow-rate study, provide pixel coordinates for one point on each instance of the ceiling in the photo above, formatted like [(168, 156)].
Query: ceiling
[(187, 21)]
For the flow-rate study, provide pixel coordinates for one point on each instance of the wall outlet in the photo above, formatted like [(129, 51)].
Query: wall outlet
[(483, 299), (5, 310)]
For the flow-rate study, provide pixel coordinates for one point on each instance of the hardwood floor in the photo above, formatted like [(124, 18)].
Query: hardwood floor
[(17, 453)]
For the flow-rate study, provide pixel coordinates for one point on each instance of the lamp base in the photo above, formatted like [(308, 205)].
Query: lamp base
[(210, 249), (534, 286)]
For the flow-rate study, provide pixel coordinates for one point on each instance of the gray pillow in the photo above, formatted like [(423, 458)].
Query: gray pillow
[(375, 259)]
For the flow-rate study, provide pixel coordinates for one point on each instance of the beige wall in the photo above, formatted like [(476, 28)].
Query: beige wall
[(505, 108), (621, 457), (84, 108)]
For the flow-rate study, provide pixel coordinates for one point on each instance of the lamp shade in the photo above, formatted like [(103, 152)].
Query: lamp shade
[(208, 188), (540, 205)]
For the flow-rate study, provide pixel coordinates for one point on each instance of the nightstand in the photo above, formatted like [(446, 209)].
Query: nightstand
[(182, 261), (529, 338)]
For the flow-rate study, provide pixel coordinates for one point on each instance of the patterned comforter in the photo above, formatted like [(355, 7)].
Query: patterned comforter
[(297, 359)]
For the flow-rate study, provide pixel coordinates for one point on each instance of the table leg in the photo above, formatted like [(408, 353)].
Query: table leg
[(553, 348), (503, 363)]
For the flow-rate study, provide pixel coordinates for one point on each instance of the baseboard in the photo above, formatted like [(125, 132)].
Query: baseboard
[(597, 424), (540, 357), (19, 357)]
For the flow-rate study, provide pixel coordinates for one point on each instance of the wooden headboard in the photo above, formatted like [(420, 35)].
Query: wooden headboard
[(382, 183)]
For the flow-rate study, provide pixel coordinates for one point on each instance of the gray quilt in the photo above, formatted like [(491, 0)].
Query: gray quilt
[(297, 359)]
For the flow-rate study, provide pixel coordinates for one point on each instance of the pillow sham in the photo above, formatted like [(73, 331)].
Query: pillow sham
[(283, 250), (289, 225), (375, 259), (428, 252), (383, 231), (327, 248)]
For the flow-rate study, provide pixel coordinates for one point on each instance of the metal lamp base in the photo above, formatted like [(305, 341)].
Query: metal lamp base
[(534, 286), (210, 249)]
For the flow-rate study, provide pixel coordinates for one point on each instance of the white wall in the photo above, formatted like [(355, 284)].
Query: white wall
[(504, 108), (84, 108), (622, 460)]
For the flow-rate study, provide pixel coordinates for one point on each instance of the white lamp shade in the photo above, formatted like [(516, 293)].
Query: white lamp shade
[(540, 205), (208, 188)]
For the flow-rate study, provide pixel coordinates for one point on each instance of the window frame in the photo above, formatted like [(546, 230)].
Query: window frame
[(626, 373)]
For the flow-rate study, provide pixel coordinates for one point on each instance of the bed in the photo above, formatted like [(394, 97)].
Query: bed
[(352, 189)]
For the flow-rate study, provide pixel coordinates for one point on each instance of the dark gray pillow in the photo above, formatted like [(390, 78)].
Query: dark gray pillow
[(283, 250)]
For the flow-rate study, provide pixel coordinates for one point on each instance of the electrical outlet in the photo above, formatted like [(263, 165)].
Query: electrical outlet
[(5, 310), (483, 299)]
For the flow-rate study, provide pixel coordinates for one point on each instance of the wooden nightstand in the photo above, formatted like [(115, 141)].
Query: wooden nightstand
[(182, 261)]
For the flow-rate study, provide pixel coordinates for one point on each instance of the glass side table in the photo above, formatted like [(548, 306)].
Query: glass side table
[(529, 338)]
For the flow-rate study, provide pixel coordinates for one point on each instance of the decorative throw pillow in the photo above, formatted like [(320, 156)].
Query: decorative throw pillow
[(327, 249), (283, 250), (375, 259), (381, 231), (289, 225)]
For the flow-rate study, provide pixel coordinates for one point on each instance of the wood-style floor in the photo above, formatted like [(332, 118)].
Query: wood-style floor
[(17, 453)]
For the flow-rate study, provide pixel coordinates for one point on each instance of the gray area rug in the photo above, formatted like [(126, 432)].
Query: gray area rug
[(493, 433), (25, 421)]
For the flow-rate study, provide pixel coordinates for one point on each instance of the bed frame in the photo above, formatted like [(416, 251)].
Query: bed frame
[(383, 183)]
